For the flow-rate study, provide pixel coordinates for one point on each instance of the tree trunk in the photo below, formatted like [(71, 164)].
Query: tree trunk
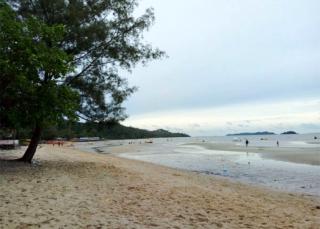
[(31, 150)]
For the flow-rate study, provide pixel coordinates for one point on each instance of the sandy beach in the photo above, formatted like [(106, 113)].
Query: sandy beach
[(73, 189)]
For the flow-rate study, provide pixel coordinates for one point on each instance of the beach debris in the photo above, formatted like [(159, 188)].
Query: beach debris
[(98, 150), (35, 163)]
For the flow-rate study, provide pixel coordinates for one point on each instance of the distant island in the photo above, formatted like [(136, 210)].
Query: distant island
[(290, 132), (254, 133)]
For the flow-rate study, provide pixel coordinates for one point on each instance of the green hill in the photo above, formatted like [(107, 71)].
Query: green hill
[(105, 131)]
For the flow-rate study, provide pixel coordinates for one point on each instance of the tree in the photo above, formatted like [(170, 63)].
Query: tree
[(30, 95), (101, 37)]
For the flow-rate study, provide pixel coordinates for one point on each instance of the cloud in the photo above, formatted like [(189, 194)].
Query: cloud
[(233, 65), (195, 125), (314, 127), (229, 52), (275, 117)]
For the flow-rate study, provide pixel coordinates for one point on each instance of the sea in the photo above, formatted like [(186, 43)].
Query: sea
[(245, 167)]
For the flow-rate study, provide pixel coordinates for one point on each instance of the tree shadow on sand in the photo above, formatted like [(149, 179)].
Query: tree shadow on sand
[(10, 158)]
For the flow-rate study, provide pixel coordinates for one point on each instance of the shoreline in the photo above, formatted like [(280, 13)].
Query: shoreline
[(247, 168), (73, 189), (310, 155)]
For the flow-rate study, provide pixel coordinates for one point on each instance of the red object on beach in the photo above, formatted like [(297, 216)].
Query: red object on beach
[(53, 142)]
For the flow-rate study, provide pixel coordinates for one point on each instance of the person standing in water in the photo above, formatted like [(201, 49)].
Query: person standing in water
[(278, 143), (247, 142)]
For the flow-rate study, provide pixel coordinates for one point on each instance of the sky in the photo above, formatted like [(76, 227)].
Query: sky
[(232, 66)]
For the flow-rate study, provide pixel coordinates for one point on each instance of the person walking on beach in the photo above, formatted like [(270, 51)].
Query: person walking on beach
[(247, 142), (278, 143)]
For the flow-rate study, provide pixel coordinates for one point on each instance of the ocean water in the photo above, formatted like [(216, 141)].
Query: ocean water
[(294, 140), (244, 167)]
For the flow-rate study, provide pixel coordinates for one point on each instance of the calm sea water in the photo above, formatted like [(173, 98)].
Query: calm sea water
[(295, 140)]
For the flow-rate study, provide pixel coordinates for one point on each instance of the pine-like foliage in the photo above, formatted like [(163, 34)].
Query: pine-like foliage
[(103, 36), (61, 58)]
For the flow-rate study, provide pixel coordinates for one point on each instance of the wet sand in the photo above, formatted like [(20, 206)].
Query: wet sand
[(302, 155), (74, 189)]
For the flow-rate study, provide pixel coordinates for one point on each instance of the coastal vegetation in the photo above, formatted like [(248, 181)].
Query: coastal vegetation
[(74, 130), (290, 132), (60, 60)]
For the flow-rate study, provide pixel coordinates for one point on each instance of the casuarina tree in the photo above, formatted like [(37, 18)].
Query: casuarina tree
[(100, 38), (30, 95)]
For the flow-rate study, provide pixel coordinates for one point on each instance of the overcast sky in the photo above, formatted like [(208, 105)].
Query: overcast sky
[(233, 66)]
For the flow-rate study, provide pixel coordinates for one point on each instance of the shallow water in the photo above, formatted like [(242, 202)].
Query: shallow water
[(244, 167), (249, 168)]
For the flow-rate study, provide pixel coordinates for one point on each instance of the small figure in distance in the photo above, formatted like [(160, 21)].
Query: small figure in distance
[(315, 137), (278, 143), (247, 142)]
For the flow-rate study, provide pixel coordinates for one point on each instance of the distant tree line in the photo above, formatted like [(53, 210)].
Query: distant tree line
[(71, 130)]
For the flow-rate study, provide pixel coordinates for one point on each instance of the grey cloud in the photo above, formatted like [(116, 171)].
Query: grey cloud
[(195, 125), (225, 53), (311, 126), (244, 125), (231, 52)]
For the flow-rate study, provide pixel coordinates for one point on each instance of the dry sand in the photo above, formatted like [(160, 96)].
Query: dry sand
[(73, 189), (303, 155)]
